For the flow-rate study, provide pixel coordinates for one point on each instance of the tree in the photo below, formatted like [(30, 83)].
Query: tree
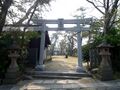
[(62, 46), (71, 42), (33, 7), (4, 6), (54, 39), (109, 10), (110, 35), (17, 12)]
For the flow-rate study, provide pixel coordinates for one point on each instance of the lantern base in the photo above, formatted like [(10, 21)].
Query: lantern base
[(105, 71), (12, 77)]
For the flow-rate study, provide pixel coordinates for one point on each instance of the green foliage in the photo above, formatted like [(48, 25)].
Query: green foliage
[(85, 50), (97, 40), (24, 39), (97, 24), (113, 37), (30, 34), (5, 42)]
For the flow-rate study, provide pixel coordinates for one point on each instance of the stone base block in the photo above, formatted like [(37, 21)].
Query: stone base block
[(105, 76), (11, 81), (12, 75), (80, 69), (105, 72), (12, 78), (40, 68)]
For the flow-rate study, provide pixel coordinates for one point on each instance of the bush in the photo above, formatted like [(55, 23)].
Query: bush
[(85, 51), (113, 38), (5, 42), (6, 39)]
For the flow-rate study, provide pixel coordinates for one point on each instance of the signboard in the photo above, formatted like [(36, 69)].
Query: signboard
[(60, 24)]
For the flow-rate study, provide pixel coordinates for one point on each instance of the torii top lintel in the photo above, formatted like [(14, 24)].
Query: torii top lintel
[(65, 21), (60, 22)]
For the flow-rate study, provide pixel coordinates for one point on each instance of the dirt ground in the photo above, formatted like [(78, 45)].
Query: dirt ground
[(60, 63)]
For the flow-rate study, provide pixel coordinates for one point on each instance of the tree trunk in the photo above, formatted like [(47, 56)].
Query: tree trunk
[(3, 13)]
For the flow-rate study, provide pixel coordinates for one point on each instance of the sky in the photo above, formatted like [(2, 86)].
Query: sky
[(68, 8)]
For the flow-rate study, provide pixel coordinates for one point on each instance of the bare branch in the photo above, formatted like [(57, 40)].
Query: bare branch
[(28, 23), (107, 6), (115, 6), (100, 2), (113, 21), (113, 13), (104, 4), (27, 13), (95, 6)]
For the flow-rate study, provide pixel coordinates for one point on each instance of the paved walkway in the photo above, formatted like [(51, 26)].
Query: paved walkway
[(85, 83)]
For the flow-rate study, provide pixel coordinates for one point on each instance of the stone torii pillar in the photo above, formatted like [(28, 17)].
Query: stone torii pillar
[(40, 66), (79, 48)]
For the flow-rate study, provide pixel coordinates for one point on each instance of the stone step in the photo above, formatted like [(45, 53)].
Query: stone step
[(51, 73), (57, 75), (37, 86)]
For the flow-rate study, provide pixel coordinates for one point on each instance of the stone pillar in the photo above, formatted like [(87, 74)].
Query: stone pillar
[(105, 70), (40, 66), (79, 49), (45, 54)]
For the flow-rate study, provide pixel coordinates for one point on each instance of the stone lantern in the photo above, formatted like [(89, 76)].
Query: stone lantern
[(105, 69), (12, 75)]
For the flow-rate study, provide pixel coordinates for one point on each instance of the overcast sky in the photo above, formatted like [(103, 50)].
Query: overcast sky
[(67, 9)]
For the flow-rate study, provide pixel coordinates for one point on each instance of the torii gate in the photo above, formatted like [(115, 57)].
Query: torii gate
[(41, 24), (40, 66)]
